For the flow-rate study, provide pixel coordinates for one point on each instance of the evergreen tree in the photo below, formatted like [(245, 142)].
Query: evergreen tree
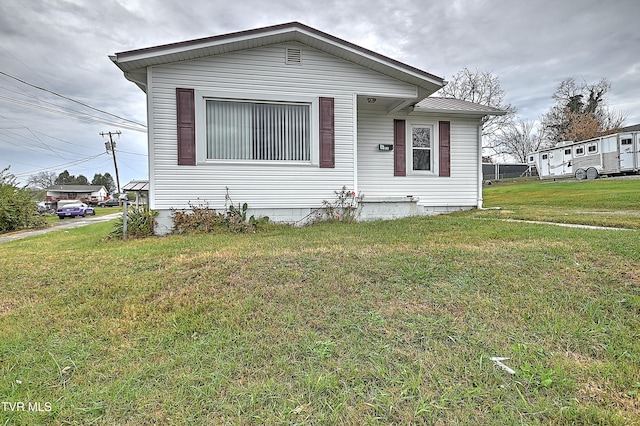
[(104, 180)]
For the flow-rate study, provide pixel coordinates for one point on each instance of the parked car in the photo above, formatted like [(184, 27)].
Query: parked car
[(114, 202), (43, 208), (75, 210)]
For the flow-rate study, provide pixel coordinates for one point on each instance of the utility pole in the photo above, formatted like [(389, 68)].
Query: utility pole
[(111, 147)]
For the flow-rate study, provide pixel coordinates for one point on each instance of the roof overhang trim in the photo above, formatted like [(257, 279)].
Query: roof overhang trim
[(134, 61)]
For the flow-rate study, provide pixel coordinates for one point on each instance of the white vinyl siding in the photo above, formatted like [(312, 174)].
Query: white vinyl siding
[(258, 74), (375, 167)]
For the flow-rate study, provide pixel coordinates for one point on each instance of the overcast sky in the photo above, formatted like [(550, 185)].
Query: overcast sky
[(63, 46)]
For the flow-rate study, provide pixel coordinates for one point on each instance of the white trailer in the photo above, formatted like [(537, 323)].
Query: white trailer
[(607, 155)]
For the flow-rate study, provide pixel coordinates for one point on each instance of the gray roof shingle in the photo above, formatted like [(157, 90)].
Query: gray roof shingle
[(455, 106)]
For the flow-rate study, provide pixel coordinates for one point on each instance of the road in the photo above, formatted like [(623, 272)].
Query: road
[(62, 224)]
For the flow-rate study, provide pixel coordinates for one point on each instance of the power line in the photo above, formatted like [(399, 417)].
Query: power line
[(13, 135), (73, 163), (32, 131), (134, 153), (27, 66), (80, 117), (12, 141), (72, 100)]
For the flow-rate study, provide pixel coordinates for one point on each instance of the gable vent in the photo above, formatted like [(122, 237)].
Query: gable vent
[(294, 56)]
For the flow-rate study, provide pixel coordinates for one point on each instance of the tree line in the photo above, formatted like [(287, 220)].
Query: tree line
[(44, 180), (579, 112)]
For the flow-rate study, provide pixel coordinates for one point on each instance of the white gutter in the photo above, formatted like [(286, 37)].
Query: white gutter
[(479, 180), (355, 142)]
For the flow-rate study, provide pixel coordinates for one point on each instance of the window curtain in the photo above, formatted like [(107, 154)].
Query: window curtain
[(257, 131), (229, 130)]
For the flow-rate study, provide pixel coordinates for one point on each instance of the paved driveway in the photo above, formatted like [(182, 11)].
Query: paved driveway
[(62, 224)]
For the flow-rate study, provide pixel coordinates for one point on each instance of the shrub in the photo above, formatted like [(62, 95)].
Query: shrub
[(17, 208), (200, 219), (204, 219), (345, 208), (140, 223)]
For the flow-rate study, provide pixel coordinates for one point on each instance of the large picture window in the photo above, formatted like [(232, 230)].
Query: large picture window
[(422, 147), (238, 130)]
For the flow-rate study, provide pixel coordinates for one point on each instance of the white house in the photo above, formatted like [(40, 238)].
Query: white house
[(285, 115), (85, 193)]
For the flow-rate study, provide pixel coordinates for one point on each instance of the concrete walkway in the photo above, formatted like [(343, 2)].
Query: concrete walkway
[(567, 225), (62, 224)]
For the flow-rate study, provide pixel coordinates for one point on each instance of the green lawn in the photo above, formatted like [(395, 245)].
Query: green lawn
[(100, 211), (603, 202), (389, 322)]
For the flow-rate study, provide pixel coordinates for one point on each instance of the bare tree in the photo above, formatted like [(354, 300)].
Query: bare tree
[(7, 178), (481, 87), (581, 112), (519, 139), (42, 180)]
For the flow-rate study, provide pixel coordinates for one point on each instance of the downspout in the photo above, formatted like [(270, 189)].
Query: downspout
[(479, 179), (355, 142)]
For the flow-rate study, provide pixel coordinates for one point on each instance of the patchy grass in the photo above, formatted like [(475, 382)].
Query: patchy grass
[(602, 202), (372, 323)]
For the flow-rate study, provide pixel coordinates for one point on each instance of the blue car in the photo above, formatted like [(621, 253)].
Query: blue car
[(75, 210)]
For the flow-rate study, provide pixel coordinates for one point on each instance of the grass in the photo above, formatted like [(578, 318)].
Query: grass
[(389, 322), (603, 202), (100, 211)]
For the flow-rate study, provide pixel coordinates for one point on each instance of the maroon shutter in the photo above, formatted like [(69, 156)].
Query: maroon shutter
[(399, 148), (444, 147), (185, 111), (327, 132)]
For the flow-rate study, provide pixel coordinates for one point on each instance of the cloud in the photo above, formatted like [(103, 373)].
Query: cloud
[(63, 45)]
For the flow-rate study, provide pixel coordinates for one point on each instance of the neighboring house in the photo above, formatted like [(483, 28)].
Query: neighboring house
[(90, 194), (283, 116)]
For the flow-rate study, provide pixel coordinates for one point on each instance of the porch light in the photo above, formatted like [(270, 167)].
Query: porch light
[(371, 100)]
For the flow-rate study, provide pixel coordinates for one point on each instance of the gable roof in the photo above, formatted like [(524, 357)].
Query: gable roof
[(455, 106), (75, 188), (135, 62)]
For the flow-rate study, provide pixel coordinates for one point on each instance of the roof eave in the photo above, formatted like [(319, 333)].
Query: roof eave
[(477, 113), (140, 59)]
